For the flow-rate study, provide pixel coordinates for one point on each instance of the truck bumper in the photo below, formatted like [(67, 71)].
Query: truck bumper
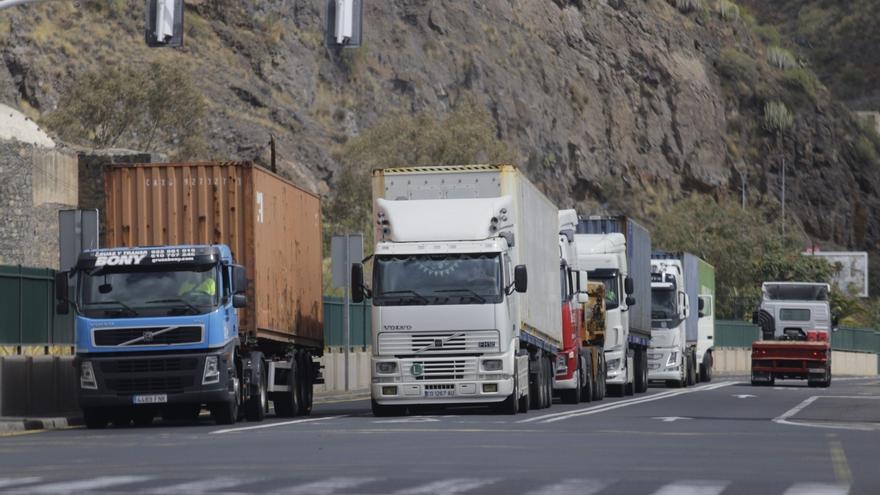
[(173, 378), (658, 364), (442, 381)]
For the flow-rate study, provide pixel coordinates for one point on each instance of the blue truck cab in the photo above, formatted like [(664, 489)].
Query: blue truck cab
[(157, 332)]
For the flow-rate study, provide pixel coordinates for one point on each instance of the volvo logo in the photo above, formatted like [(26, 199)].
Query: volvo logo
[(148, 336), (397, 327)]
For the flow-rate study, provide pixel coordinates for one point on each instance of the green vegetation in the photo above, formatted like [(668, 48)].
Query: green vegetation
[(727, 10), (152, 107), (467, 135), (781, 58), (745, 248), (777, 117)]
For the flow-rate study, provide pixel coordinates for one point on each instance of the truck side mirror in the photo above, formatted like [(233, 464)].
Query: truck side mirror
[(630, 301), (520, 278), (702, 304), (239, 280), (357, 282), (583, 282), (62, 296), (239, 301), (628, 286)]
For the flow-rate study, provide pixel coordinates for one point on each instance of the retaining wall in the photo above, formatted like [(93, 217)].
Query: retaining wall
[(738, 360)]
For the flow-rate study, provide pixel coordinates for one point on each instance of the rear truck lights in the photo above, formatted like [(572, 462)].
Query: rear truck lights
[(212, 370), (673, 358), (87, 378), (490, 388), (386, 367), (389, 390), (493, 365)]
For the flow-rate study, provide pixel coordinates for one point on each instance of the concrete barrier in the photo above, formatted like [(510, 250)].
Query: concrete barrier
[(38, 386), (334, 369), (738, 360)]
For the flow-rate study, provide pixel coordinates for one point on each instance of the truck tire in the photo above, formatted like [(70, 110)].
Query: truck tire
[(381, 411), (548, 383), (601, 385), (573, 396), (588, 392), (706, 368), (524, 403), (691, 372), (536, 380), (510, 405), (287, 403), (307, 388), (95, 418), (226, 413), (641, 371), (255, 409)]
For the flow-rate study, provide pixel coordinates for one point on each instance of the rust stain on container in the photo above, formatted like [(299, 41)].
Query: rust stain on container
[(272, 227)]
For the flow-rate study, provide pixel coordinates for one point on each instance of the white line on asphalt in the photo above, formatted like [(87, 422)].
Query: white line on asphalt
[(7, 482), (693, 488), (567, 487), (552, 418), (817, 489), (451, 486), (201, 486), (273, 425), (784, 418), (86, 485), (325, 487)]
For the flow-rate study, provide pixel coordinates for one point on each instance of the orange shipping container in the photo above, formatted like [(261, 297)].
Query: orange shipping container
[(272, 227)]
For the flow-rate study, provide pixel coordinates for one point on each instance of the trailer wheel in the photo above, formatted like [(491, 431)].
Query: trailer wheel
[(255, 409), (287, 403), (306, 385), (95, 418)]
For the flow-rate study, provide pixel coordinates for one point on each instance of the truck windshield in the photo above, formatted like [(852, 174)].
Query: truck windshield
[(663, 304), (114, 294), (437, 279), (612, 297)]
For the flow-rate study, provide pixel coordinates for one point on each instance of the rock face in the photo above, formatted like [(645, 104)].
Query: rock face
[(615, 105)]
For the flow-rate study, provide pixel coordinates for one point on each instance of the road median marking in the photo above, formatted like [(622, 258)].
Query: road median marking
[(553, 417), (838, 459), (273, 425), (787, 418)]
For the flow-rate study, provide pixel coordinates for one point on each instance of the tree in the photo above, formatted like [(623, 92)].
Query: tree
[(745, 248), (144, 107)]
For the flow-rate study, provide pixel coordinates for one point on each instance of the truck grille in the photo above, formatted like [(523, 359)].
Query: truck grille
[(443, 370), (439, 343), (149, 365), (147, 336), (153, 384)]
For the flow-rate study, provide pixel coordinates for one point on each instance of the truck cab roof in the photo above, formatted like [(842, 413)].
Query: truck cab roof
[(795, 291)]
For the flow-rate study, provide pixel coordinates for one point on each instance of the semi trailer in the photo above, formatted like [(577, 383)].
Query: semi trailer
[(683, 319), (465, 289), (617, 252), (207, 293), (796, 324)]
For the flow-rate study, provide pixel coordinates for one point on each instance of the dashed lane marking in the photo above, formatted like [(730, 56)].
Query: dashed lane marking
[(567, 487), (697, 487), (325, 487), (275, 425), (85, 486), (817, 489)]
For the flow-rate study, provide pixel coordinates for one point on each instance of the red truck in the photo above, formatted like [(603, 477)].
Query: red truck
[(796, 324)]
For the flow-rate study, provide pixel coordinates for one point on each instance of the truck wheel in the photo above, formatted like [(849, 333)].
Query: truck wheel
[(381, 411), (95, 418), (510, 405), (524, 403), (601, 384), (226, 413), (548, 383), (289, 400), (588, 394), (691, 374), (574, 396), (306, 386), (641, 371), (255, 409), (536, 379), (706, 369)]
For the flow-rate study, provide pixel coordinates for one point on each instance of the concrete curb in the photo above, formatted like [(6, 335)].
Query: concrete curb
[(324, 397), (29, 424)]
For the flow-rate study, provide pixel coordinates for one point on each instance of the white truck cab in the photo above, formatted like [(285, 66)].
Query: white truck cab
[(670, 308)]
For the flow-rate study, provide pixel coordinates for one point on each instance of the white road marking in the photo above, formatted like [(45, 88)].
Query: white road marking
[(201, 486), (273, 425), (599, 406), (698, 487), (552, 418), (86, 485), (325, 487), (7, 482), (450, 486), (817, 489), (413, 419), (567, 487), (743, 396), (785, 418), (670, 419)]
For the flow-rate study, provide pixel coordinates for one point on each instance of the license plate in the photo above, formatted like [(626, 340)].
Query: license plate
[(439, 393), (150, 399)]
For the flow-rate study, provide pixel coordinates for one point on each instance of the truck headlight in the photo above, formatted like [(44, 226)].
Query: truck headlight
[(493, 365), (612, 364), (673, 358), (212, 370), (386, 367), (87, 376)]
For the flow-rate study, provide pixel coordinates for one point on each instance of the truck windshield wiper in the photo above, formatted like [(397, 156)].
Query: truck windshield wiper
[(421, 297), (118, 303), (479, 297), (194, 309)]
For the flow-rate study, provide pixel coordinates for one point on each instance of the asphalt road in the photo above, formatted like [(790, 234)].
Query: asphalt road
[(722, 437)]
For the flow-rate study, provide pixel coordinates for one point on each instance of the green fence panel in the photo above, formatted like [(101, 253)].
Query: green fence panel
[(734, 333), (856, 340), (359, 314), (27, 308)]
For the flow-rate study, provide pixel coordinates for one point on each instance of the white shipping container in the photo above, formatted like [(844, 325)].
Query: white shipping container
[(536, 236)]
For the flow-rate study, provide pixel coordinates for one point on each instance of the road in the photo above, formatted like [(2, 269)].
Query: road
[(722, 437)]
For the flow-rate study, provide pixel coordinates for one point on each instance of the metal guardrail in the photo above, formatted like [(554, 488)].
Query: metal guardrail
[(733, 333), (27, 309)]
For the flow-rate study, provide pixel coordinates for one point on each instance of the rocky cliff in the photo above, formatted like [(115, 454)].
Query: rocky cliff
[(623, 105)]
